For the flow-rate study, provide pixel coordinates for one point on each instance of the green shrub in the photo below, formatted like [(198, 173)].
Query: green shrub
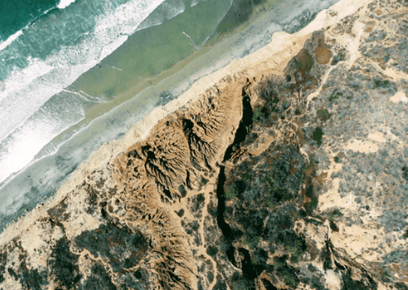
[(314, 203), (318, 135), (251, 242), (335, 95), (258, 114), (304, 62), (212, 251), (230, 192), (378, 83), (323, 114), (295, 250), (334, 213)]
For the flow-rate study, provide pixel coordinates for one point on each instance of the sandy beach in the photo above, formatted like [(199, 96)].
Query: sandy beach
[(104, 121)]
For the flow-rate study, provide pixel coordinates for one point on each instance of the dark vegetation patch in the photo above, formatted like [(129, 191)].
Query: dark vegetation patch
[(366, 282), (12, 273), (401, 286), (33, 279), (220, 285), (285, 272), (335, 95), (239, 281), (197, 203), (335, 214), (277, 177), (180, 213), (405, 173), (64, 265), (99, 279), (58, 212), (380, 83), (318, 135), (323, 114), (212, 251), (304, 61), (338, 58), (334, 227), (272, 105), (258, 185), (113, 245), (190, 227), (182, 190), (92, 199), (268, 285), (3, 262)]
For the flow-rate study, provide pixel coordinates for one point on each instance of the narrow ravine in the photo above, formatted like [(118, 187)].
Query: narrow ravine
[(231, 234)]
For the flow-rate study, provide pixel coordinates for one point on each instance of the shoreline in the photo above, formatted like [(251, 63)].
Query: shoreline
[(283, 46), (179, 78)]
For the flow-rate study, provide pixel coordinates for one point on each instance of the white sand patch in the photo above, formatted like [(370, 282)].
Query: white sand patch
[(395, 74), (333, 280), (331, 198), (358, 241), (377, 136), (80, 220), (37, 242), (399, 97), (361, 146)]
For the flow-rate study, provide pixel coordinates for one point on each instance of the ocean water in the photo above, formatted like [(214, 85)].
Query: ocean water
[(76, 74)]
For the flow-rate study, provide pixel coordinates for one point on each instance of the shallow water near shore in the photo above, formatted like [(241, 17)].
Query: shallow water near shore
[(134, 79)]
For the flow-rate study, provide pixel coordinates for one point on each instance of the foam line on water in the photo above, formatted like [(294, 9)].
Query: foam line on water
[(41, 79), (9, 40), (166, 11)]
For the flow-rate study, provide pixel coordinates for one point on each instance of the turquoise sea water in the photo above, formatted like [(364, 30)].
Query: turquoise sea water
[(68, 71)]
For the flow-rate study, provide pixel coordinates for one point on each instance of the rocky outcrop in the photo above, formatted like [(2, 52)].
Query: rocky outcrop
[(289, 173)]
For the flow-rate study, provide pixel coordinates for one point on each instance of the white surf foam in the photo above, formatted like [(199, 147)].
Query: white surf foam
[(10, 39), (26, 90), (20, 147), (65, 3), (194, 3)]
